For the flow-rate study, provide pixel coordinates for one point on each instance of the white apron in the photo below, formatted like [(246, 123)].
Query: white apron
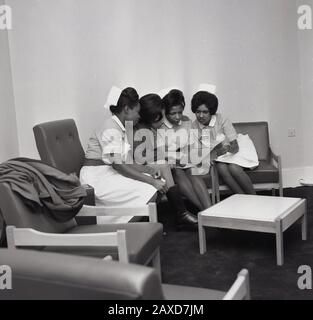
[(114, 190)]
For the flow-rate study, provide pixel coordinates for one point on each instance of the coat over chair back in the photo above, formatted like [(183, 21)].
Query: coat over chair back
[(16, 213)]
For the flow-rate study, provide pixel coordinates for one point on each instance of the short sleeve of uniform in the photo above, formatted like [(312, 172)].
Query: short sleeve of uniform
[(228, 128), (114, 144)]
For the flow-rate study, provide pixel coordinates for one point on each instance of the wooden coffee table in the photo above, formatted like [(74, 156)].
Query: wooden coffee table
[(255, 213)]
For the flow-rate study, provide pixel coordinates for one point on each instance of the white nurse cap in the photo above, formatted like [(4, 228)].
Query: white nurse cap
[(207, 87), (162, 93), (113, 97)]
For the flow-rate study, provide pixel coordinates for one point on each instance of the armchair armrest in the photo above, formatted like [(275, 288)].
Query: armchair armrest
[(149, 210), (90, 199), (29, 237), (61, 276), (275, 157), (241, 288)]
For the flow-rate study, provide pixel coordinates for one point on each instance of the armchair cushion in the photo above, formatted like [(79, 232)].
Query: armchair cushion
[(264, 173), (142, 239), (174, 292)]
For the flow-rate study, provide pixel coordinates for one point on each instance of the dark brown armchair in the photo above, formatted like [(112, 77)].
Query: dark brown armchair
[(130, 242), (59, 145), (51, 276), (268, 175)]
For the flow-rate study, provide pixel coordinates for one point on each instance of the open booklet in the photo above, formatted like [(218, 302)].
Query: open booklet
[(246, 156)]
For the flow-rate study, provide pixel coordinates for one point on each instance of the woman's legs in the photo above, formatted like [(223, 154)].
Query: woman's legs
[(200, 189), (186, 187), (182, 216), (242, 178), (224, 172)]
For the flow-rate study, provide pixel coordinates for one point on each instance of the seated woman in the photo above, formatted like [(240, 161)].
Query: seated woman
[(145, 152), (109, 166), (177, 141), (117, 183), (223, 139)]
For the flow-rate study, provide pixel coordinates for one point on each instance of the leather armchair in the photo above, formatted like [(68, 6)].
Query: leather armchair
[(130, 242), (59, 146), (50, 276), (268, 175), (2, 231)]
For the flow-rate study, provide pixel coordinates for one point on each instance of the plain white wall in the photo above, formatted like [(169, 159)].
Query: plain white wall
[(8, 129), (306, 67), (66, 54)]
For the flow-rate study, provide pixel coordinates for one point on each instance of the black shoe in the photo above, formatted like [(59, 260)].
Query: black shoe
[(187, 220)]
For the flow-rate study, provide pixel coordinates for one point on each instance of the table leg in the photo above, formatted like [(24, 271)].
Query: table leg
[(304, 226), (202, 237), (279, 243)]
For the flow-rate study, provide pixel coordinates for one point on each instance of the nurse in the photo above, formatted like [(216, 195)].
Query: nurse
[(117, 181), (176, 128), (223, 139), (146, 151)]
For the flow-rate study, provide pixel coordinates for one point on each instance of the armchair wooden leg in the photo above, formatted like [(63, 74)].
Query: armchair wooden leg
[(122, 246), (280, 177), (216, 185), (281, 191), (218, 196), (10, 237), (156, 262), (213, 196), (213, 187)]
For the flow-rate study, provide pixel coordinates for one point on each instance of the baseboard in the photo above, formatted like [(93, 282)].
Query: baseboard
[(291, 176)]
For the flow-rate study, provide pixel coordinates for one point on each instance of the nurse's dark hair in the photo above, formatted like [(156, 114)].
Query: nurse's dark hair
[(174, 98), (129, 97), (208, 99), (151, 107)]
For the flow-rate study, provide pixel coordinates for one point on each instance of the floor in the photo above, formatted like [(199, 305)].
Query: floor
[(228, 251)]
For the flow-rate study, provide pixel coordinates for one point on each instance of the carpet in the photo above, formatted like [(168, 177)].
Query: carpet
[(228, 251)]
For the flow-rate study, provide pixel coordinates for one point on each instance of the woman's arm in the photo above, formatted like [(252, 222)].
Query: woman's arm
[(233, 146), (130, 171), (221, 149), (145, 169)]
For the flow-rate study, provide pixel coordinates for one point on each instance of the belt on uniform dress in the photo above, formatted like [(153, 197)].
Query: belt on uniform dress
[(93, 162)]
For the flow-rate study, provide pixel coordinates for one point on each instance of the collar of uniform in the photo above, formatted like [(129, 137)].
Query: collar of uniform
[(119, 123), (211, 124), (168, 124)]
